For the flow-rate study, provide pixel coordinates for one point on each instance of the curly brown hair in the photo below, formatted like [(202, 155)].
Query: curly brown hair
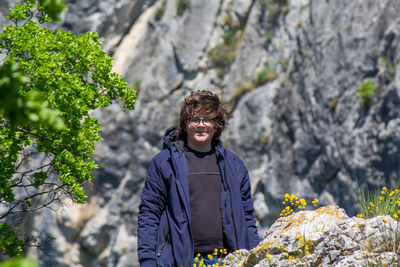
[(204, 101)]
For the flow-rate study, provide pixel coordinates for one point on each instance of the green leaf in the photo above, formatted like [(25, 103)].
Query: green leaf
[(10, 244), (40, 179), (19, 262)]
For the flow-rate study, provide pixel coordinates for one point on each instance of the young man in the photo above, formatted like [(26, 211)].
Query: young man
[(197, 194)]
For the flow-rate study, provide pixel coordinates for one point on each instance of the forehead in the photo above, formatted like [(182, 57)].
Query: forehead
[(201, 114)]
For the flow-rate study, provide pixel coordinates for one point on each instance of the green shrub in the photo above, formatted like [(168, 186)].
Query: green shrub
[(222, 55), (365, 93), (267, 74), (392, 70), (160, 11), (181, 6)]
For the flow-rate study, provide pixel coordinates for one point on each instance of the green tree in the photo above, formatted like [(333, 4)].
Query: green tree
[(49, 83)]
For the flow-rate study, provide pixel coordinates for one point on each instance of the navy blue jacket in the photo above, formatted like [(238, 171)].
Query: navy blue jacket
[(164, 221)]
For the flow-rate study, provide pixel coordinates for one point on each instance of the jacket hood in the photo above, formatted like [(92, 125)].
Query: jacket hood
[(173, 138)]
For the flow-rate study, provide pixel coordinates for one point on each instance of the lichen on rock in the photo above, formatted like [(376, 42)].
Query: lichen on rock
[(324, 237)]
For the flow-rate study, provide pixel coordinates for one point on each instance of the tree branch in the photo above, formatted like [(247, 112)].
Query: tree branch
[(58, 192)]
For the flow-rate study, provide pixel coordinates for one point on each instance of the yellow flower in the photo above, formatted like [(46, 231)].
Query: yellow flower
[(395, 215), (281, 247), (299, 235), (268, 256), (359, 215)]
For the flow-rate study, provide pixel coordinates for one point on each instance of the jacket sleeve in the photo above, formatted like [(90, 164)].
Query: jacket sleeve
[(247, 201), (152, 205)]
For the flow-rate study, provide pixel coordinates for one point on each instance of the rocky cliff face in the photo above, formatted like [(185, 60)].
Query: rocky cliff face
[(289, 70)]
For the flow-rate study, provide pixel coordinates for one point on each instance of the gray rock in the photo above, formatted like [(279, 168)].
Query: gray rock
[(194, 33), (326, 237)]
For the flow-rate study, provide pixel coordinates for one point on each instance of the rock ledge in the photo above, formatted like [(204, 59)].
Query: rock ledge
[(325, 237)]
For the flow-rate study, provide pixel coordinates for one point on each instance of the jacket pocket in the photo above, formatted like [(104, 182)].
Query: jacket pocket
[(163, 246), (164, 254)]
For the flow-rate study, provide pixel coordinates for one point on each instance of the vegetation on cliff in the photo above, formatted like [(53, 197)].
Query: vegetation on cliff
[(49, 84)]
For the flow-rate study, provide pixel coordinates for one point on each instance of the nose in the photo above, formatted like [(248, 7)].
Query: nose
[(201, 125)]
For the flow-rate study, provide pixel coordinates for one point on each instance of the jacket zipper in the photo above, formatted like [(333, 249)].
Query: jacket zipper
[(233, 218), (189, 223), (163, 246)]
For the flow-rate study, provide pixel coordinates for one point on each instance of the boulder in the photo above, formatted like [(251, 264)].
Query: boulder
[(324, 237)]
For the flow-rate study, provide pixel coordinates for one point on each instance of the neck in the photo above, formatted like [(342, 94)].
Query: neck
[(200, 148)]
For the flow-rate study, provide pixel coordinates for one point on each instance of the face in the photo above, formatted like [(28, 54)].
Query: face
[(200, 132)]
